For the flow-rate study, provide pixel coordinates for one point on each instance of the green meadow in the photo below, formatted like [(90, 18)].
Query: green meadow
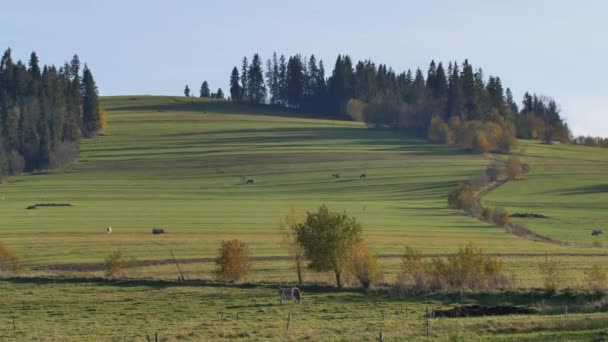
[(182, 163)]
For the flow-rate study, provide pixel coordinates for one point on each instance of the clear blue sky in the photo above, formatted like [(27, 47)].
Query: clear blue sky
[(555, 48)]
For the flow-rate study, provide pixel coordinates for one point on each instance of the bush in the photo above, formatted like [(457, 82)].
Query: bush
[(463, 198), (414, 269), (493, 171), (364, 265), (356, 109), (487, 214), (9, 263), (513, 167), (481, 142), (115, 265), (501, 217), (233, 262), (439, 132), (470, 268), (595, 278), (550, 271)]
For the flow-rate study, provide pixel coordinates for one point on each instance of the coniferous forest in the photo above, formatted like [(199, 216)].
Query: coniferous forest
[(44, 112), (454, 104)]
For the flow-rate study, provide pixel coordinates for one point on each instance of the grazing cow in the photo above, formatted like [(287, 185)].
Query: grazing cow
[(335, 175), (157, 231), (290, 293), (249, 181), (109, 230), (597, 232), (363, 176)]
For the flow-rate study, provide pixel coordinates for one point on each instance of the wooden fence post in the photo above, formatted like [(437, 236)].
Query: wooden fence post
[(155, 337), (237, 316), (427, 327), (14, 326), (381, 338), (288, 322)]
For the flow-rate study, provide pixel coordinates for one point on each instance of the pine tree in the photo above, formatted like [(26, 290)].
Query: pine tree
[(205, 92), (219, 94), (187, 91), (235, 87)]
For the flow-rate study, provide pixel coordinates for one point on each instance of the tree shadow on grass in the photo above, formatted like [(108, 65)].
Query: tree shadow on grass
[(586, 190)]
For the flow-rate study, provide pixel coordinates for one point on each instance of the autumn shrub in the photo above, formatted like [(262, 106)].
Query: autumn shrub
[(233, 262), (463, 198), (596, 278), (440, 132), (501, 217), (364, 265), (481, 142), (549, 269), (9, 263), (513, 167), (469, 269), (414, 269), (356, 108), (494, 171), (116, 265), (487, 214)]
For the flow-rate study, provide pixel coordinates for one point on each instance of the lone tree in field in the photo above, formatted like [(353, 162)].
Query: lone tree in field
[(289, 232), (187, 91), (328, 239), (233, 263)]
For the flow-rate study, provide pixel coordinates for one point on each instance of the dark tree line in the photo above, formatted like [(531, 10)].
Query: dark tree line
[(44, 112), (409, 100)]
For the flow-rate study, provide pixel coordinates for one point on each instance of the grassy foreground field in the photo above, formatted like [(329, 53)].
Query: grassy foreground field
[(181, 163)]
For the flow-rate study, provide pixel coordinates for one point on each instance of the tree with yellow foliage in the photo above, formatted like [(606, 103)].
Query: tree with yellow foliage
[(103, 117)]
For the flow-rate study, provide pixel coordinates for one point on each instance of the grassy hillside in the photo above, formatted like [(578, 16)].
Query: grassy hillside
[(180, 164)]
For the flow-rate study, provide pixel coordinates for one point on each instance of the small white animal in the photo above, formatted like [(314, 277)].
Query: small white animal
[(109, 230)]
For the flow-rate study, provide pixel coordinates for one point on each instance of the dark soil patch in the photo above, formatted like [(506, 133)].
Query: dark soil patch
[(476, 310), (38, 205)]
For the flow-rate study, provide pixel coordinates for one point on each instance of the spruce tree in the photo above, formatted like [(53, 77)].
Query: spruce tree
[(256, 89), (205, 92), (90, 104), (187, 91), (295, 81), (244, 80), (235, 87), (219, 94)]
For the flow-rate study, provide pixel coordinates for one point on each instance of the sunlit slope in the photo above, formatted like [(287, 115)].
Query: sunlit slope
[(181, 164), (569, 184)]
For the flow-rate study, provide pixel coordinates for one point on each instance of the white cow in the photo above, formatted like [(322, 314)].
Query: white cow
[(290, 293)]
